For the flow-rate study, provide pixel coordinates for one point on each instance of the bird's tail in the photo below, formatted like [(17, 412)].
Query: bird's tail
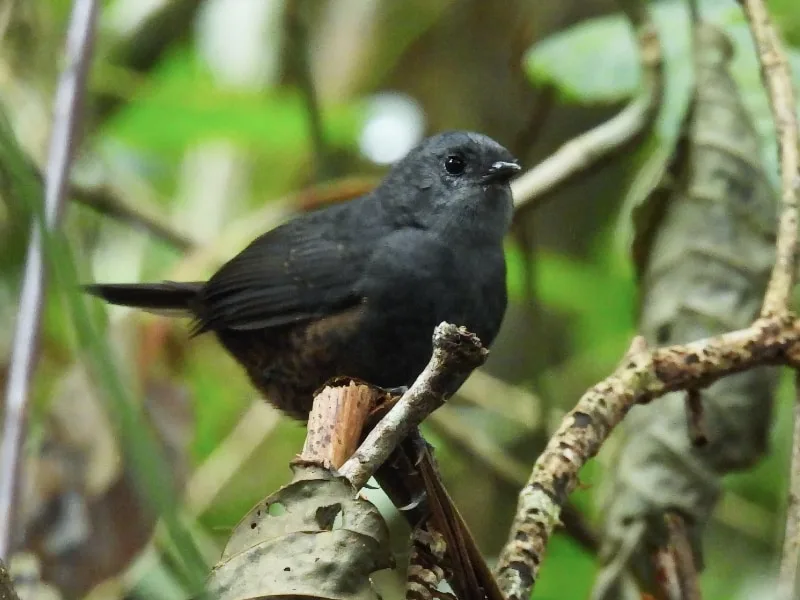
[(167, 298)]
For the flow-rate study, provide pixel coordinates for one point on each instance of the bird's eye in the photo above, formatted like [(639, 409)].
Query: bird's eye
[(454, 165)]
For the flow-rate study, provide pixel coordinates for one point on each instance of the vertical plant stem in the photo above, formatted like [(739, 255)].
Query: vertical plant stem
[(63, 140), (777, 78), (787, 578)]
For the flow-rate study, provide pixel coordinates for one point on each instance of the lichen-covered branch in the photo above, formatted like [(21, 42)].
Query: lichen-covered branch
[(777, 78), (607, 139), (642, 377), (456, 353)]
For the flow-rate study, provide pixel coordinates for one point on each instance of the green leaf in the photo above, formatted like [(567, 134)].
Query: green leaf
[(597, 61), (564, 60)]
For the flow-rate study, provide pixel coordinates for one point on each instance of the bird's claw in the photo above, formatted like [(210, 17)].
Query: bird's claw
[(415, 502), (396, 391)]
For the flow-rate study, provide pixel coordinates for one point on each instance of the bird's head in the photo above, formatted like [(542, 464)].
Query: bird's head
[(456, 179)]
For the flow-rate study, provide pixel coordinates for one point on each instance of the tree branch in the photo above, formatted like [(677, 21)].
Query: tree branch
[(777, 78), (298, 51), (456, 352), (610, 138), (107, 203), (642, 377), (67, 107)]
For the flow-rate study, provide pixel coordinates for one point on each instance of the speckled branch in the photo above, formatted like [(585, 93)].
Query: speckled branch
[(642, 377), (456, 353)]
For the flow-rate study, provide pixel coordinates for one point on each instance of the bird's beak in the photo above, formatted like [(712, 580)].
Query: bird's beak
[(501, 171)]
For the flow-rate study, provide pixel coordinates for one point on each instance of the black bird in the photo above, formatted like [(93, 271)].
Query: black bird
[(356, 289)]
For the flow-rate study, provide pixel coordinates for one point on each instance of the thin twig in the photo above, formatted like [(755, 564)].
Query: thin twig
[(610, 138), (695, 420), (67, 108), (667, 585), (298, 50), (683, 556), (787, 577), (456, 352), (107, 203), (777, 78), (103, 199)]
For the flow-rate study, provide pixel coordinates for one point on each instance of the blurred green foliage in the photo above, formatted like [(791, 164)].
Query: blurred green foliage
[(596, 61)]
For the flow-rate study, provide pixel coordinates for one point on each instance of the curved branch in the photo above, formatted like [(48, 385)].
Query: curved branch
[(777, 78), (642, 377), (607, 139)]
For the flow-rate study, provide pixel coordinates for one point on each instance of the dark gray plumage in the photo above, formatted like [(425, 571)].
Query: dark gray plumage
[(356, 289)]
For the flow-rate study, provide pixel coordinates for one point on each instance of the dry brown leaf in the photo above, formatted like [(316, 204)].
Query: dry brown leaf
[(312, 538)]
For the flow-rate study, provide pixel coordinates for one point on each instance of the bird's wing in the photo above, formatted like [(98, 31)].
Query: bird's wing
[(294, 273)]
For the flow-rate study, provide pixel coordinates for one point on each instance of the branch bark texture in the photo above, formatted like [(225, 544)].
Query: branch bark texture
[(642, 377), (456, 353)]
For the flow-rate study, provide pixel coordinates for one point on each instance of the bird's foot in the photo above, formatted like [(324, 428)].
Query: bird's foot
[(396, 391)]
